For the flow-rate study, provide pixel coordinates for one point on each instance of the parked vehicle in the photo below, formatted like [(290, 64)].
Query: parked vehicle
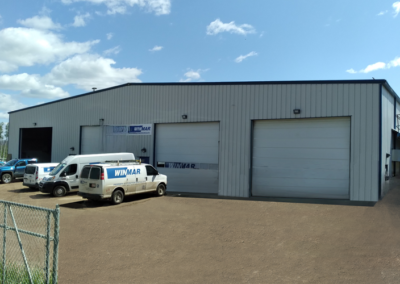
[(2, 163), (15, 169), (65, 177), (35, 173), (114, 182)]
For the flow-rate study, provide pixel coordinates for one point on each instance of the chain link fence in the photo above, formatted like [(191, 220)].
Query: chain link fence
[(30, 235)]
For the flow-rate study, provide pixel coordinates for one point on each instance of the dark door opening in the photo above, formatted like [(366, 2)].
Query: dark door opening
[(36, 143)]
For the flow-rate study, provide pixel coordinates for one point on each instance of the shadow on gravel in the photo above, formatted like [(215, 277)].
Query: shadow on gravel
[(40, 195), (87, 204), (24, 189)]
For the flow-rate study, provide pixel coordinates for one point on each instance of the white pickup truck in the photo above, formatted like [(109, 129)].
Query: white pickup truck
[(114, 182)]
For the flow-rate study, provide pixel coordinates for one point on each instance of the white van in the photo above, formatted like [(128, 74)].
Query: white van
[(34, 174), (114, 182), (65, 177)]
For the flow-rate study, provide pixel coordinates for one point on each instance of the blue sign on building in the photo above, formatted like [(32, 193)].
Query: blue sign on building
[(141, 129)]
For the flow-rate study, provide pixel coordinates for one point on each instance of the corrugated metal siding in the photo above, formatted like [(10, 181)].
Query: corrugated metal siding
[(388, 115), (234, 106)]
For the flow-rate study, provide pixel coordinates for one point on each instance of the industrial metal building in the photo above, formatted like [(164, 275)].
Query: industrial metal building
[(305, 139)]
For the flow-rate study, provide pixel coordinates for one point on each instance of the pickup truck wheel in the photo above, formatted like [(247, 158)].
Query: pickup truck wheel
[(59, 191), (160, 190), (6, 178), (117, 197)]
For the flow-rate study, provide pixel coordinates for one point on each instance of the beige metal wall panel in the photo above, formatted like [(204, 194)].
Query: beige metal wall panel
[(388, 116), (234, 106)]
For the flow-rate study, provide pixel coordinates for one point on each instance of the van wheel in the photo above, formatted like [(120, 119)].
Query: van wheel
[(160, 190), (6, 178), (117, 197), (59, 191)]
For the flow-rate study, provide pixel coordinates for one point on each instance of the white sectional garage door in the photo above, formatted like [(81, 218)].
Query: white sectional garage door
[(307, 158), (91, 140), (188, 154)]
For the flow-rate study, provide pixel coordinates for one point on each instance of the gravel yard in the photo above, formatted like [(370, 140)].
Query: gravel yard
[(197, 240)]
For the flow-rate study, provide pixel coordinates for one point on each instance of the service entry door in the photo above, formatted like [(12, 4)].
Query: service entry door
[(307, 158), (188, 154), (91, 140)]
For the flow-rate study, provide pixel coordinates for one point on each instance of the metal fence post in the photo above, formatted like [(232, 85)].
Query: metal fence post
[(4, 243), (48, 248), (55, 245)]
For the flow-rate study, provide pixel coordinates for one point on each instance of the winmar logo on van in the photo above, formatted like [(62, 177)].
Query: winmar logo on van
[(121, 172)]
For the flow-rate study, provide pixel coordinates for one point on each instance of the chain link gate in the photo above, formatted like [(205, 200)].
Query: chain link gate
[(30, 236)]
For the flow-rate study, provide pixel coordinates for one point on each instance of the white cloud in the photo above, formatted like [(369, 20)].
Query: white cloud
[(351, 71), (243, 57), (40, 23), (159, 7), (217, 27), (374, 67), (31, 86), (8, 103), (109, 36), (114, 50), (382, 13), (396, 7), (28, 47), (192, 75), (156, 48), (78, 71), (377, 66), (80, 20)]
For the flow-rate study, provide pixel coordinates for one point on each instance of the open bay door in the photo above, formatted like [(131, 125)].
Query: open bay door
[(91, 140), (307, 158), (188, 154)]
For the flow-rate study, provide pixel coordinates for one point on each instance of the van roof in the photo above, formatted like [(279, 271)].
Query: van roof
[(43, 164), (74, 157), (106, 165)]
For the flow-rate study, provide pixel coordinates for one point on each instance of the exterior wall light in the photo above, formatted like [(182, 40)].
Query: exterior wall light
[(101, 121), (143, 150), (34, 124), (184, 116), (72, 148), (296, 111)]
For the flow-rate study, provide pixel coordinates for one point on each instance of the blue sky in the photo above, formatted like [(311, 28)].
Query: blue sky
[(58, 48)]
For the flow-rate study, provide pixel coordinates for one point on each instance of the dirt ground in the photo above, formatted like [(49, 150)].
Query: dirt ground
[(196, 240)]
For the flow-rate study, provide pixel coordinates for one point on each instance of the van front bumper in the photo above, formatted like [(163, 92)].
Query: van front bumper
[(91, 196), (46, 187)]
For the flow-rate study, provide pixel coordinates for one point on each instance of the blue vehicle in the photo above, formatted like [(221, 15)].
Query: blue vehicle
[(15, 169)]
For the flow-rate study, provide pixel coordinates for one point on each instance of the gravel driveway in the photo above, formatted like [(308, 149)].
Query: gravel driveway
[(196, 240)]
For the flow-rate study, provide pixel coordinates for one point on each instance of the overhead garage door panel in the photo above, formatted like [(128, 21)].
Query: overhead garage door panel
[(195, 144), (91, 140), (302, 158)]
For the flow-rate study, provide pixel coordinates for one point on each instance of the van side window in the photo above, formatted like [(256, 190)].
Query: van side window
[(71, 169), (85, 172), (21, 164), (32, 162), (95, 173), (151, 171)]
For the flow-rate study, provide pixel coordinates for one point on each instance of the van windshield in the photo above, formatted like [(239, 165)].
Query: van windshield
[(57, 169), (11, 163)]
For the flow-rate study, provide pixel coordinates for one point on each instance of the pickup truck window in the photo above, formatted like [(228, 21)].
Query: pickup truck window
[(21, 164), (95, 173), (85, 172), (57, 169), (11, 163)]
